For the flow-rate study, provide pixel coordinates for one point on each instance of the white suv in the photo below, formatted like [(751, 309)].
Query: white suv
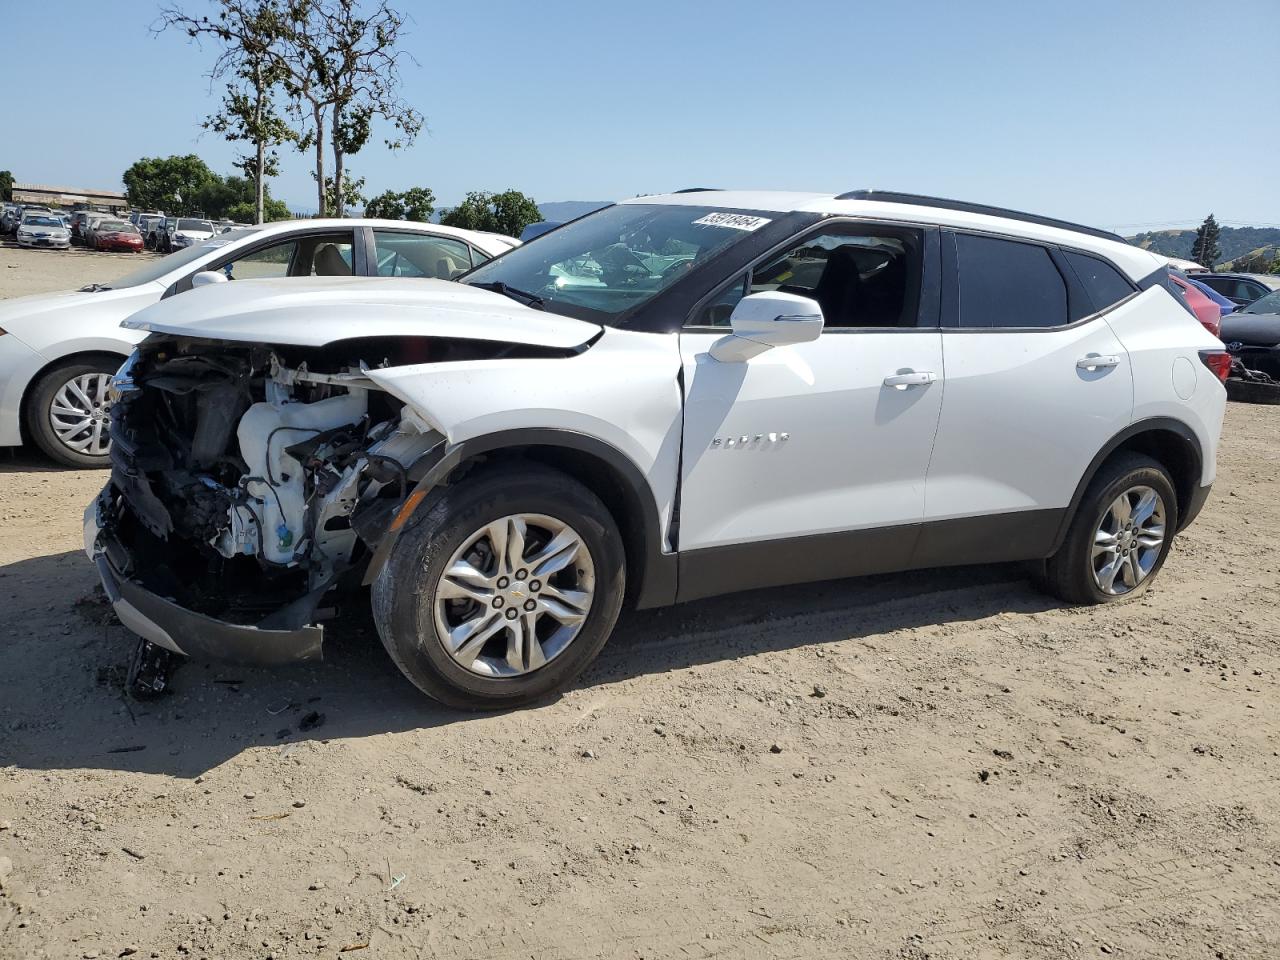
[(670, 398)]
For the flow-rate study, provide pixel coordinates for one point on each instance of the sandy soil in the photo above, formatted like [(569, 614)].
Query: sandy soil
[(943, 764)]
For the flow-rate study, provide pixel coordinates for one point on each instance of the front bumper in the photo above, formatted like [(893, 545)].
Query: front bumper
[(166, 624), (54, 242)]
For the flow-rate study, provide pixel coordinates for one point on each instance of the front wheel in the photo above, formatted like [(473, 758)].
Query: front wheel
[(504, 588), (1120, 536), (68, 411)]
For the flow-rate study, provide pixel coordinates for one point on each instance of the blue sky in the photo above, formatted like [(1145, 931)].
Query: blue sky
[(1102, 112)]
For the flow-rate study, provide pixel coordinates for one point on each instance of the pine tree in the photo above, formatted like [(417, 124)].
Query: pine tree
[(1204, 249)]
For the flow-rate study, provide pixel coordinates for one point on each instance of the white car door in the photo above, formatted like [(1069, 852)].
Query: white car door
[(808, 461), (1037, 384)]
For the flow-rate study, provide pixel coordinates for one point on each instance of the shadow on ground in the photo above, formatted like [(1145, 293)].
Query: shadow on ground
[(63, 663)]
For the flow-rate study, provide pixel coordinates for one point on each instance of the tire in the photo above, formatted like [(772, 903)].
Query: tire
[(1070, 573), (409, 610), (1252, 391), (39, 402)]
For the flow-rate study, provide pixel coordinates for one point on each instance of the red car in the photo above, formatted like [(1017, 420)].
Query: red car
[(1206, 311), (118, 235)]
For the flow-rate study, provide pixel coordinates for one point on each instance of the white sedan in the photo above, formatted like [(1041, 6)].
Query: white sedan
[(59, 350)]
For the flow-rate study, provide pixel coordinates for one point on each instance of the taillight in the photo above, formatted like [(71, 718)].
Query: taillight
[(1219, 361)]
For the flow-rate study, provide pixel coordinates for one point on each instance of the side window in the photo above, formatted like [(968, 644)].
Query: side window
[(1004, 283), (478, 256), (1105, 284), (272, 261), (860, 280), (419, 255), (1252, 291), (715, 313), (329, 256)]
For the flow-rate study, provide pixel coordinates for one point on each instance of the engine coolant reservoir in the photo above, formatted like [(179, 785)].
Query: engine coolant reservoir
[(265, 431)]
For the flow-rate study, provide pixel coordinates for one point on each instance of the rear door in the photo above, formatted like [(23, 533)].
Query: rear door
[(1036, 384)]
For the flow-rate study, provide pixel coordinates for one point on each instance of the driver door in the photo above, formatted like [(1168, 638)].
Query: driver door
[(808, 461)]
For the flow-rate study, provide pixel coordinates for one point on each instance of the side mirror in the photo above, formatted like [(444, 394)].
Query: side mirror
[(768, 319), (206, 277)]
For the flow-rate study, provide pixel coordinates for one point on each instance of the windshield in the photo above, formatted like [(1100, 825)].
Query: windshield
[(108, 226), (197, 225), (41, 222), (613, 261), (155, 269), (1267, 304)]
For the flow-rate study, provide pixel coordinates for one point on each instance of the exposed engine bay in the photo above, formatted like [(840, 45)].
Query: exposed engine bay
[(241, 473)]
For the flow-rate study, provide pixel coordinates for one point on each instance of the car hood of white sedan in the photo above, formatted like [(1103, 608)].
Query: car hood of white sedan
[(314, 311)]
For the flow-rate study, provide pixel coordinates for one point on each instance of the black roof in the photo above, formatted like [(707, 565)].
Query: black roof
[(915, 199)]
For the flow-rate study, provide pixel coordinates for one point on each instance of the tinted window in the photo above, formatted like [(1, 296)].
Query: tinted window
[(1003, 283), (419, 255), (1105, 284), (858, 280)]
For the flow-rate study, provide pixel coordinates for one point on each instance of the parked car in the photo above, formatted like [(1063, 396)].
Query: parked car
[(58, 351), (1241, 288), (1225, 306), (1205, 310), (145, 224), (89, 226), (117, 235), (10, 217), (183, 231), (43, 230), (669, 398), (1252, 336), (156, 229)]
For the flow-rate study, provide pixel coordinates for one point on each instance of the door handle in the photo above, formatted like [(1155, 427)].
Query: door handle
[(914, 378), (1095, 362)]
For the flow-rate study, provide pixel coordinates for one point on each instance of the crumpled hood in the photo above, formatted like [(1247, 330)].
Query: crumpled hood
[(314, 311)]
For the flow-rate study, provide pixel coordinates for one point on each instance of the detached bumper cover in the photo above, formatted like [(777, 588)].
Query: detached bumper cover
[(166, 624)]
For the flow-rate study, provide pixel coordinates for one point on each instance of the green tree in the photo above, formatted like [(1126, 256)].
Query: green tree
[(350, 197), (416, 203), (6, 185), (172, 184), (508, 212), (1204, 249), (251, 63), (235, 198), (1275, 264)]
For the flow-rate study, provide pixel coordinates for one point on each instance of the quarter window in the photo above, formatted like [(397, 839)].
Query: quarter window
[(1105, 284), (419, 255), (1004, 283)]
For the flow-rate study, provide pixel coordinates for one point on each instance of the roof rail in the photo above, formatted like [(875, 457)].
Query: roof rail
[(915, 199), (697, 190)]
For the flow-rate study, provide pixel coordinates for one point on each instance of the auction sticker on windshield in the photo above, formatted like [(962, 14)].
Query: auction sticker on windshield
[(735, 221)]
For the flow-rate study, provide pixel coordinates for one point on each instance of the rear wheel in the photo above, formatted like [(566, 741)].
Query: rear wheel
[(68, 411), (1120, 535), (504, 590)]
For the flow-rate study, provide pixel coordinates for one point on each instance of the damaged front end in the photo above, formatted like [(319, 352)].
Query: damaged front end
[(248, 481)]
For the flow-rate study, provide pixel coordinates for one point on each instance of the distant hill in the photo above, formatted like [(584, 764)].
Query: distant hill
[(1236, 242)]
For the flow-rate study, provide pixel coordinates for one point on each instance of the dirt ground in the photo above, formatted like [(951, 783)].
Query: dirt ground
[(942, 764)]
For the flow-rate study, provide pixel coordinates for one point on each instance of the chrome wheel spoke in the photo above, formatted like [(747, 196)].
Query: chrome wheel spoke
[(1104, 543), (1146, 506), (469, 639), (1107, 575), (462, 588), (565, 614), (557, 554)]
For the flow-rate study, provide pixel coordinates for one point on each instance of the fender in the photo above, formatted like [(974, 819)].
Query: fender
[(1196, 498), (657, 581)]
